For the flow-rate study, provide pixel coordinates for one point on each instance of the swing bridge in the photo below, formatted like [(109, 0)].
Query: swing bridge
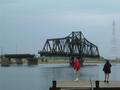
[(75, 44)]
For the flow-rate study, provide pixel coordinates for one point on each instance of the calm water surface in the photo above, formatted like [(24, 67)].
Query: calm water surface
[(40, 77)]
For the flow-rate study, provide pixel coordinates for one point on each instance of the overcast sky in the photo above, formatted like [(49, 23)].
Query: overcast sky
[(26, 24)]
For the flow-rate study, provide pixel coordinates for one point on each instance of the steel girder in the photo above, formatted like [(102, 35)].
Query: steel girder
[(74, 44)]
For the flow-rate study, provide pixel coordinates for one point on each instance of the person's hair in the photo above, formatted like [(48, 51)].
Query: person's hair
[(78, 57), (72, 58), (107, 62)]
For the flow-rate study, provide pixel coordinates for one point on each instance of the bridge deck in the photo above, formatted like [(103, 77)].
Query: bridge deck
[(19, 55)]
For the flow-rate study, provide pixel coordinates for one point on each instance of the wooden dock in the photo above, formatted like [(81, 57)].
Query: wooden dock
[(85, 85)]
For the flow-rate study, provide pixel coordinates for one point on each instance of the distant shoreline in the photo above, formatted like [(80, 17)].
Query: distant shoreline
[(86, 62)]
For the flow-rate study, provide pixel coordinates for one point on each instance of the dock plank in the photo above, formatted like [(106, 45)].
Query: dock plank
[(85, 85), (111, 84)]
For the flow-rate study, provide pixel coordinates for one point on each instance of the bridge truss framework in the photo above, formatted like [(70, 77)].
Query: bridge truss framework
[(74, 44)]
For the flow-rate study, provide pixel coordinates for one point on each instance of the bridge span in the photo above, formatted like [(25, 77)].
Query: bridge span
[(75, 44)]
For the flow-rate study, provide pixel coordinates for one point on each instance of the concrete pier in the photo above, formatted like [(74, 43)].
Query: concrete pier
[(85, 85), (19, 61), (5, 61), (32, 61)]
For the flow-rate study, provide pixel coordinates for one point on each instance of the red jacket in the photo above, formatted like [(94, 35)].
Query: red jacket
[(76, 64)]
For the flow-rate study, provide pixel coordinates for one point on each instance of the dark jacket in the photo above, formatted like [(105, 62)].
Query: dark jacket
[(107, 67)]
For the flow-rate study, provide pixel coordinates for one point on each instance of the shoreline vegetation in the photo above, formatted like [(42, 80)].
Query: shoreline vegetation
[(57, 60)]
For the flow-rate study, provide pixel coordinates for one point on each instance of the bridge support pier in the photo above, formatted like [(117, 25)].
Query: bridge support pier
[(32, 61), (19, 61), (5, 61)]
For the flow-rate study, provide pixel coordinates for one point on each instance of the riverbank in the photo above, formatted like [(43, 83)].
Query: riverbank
[(87, 61)]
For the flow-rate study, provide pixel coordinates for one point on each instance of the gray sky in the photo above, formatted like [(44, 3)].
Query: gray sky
[(26, 24)]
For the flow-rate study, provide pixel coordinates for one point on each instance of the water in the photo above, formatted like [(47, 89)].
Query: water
[(40, 77)]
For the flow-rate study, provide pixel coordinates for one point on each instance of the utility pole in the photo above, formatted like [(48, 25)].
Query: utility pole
[(16, 48), (114, 42)]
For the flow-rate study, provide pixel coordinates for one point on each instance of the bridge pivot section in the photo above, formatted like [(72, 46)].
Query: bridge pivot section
[(75, 44)]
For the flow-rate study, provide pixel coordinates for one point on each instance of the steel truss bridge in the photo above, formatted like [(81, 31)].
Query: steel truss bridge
[(74, 44)]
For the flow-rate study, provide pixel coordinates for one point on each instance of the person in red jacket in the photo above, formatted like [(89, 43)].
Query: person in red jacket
[(76, 67)]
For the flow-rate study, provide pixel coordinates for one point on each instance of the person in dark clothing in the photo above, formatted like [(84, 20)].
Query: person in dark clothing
[(107, 70)]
